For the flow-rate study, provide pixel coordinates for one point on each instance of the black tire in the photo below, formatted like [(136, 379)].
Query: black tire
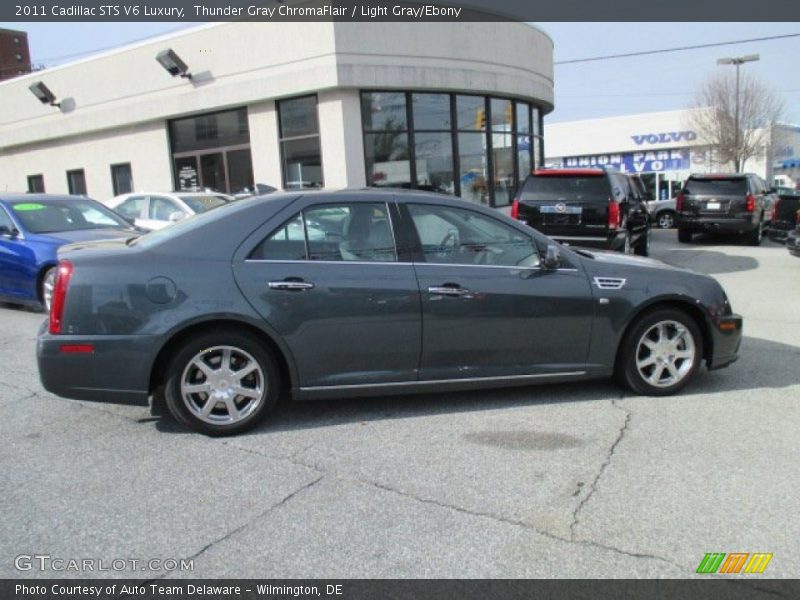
[(756, 235), (261, 386), (636, 357), (665, 219), (642, 245), (684, 236), (46, 286)]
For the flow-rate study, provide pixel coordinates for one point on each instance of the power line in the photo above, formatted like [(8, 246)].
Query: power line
[(678, 49)]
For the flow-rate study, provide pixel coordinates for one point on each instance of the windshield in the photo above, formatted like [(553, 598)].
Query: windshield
[(554, 187), (201, 204), (49, 216), (720, 187)]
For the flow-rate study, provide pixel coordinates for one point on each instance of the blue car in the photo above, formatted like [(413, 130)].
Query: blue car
[(33, 227)]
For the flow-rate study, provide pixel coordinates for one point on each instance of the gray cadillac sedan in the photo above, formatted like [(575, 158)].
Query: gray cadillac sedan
[(338, 294)]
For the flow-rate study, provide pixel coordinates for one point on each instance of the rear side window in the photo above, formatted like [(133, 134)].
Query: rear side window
[(333, 232), (565, 188), (733, 186)]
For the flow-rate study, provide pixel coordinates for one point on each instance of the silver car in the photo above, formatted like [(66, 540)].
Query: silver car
[(662, 212), (155, 210)]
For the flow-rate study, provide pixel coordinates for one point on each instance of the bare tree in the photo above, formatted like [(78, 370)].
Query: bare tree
[(736, 129)]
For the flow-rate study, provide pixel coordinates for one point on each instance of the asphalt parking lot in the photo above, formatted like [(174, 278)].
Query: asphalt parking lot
[(576, 480)]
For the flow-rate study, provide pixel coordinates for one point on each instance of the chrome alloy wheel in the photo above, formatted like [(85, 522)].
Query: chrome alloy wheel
[(665, 354), (223, 385)]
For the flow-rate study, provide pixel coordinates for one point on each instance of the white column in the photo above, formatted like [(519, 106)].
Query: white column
[(341, 139), (264, 146)]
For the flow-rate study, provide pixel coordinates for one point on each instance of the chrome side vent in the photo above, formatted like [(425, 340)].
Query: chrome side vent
[(609, 283)]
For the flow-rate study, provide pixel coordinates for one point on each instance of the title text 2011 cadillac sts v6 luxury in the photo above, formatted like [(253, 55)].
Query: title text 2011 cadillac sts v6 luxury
[(361, 293)]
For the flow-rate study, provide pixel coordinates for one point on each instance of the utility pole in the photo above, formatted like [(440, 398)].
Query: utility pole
[(737, 61)]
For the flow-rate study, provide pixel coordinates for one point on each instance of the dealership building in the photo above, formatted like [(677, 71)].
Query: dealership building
[(664, 148), (450, 107)]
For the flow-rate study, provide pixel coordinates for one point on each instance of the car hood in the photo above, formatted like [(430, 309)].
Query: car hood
[(598, 260)]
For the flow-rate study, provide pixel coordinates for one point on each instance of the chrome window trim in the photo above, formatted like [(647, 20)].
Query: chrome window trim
[(377, 262), (440, 381), (588, 238)]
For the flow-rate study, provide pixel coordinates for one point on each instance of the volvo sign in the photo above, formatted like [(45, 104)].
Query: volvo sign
[(666, 137)]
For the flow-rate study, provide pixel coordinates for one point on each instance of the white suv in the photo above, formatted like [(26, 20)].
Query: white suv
[(155, 210)]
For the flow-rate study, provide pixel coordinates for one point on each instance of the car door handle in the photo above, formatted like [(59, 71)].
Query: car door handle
[(290, 285), (448, 290)]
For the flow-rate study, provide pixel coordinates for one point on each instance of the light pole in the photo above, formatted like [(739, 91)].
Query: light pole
[(737, 60)]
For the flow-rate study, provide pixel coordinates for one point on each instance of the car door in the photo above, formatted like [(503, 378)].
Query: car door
[(488, 308), (326, 279)]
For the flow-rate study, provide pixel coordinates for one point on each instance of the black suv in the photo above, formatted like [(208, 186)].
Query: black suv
[(739, 204), (599, 208)]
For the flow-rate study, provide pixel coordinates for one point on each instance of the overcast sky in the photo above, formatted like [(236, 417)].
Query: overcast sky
[(584, 90)]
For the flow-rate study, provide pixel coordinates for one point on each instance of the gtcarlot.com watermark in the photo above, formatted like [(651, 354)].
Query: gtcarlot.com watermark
[(47, 562)]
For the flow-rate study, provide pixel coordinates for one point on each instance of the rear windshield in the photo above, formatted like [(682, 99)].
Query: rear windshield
[(565, 188), (722, 187), (203, 203)]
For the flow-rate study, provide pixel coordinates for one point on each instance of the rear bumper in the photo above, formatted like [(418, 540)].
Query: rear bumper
[(793, 242), (726, 334), (720, 224), (117, 371)]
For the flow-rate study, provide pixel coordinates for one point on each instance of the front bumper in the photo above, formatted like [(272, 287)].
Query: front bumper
[(116, 371), (726, 337)]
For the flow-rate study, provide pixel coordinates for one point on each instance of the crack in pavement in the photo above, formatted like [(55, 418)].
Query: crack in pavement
[(516, 523), (609, 455), (259, 516)]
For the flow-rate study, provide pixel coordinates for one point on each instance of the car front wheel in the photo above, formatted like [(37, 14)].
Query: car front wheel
[(222, 383), (660, 353)]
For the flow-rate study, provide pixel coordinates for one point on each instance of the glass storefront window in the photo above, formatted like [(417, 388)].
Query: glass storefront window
[(300, 147), (434, 162), (431, 111), (502, 115), (384, 111), (387, 159), (299, 117), (302, 164), (473, 167), (203, 132), (477, 147), (471, 112)]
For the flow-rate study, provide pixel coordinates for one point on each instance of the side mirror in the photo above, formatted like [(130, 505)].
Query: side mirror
[(10, 232), (552, 258), (176, 216)]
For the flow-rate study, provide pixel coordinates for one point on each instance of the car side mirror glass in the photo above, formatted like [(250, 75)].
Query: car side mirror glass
[(552, 257), (176, 216), (9, 231)]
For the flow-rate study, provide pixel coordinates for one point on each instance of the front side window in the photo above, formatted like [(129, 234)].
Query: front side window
[(300, 145), (161, 209), (333, 232), (458, 236)]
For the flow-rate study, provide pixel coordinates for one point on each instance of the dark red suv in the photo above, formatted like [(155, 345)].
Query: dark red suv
[(598, 208)]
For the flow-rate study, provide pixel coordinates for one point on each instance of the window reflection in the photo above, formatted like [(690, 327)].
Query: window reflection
[(300, 147)]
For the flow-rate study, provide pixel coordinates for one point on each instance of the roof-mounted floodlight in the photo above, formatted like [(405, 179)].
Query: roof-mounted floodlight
[(173, 63), (43, 93)]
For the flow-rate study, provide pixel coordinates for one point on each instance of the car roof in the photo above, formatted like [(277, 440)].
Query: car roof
[(22, 197)]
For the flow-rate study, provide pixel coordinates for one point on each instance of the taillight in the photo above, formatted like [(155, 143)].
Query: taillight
[(750, 204), (515, 209), (613, 214), (679, 202), (775, 210), (65, 270)]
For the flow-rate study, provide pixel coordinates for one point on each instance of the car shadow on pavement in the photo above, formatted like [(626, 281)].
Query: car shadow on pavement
[(710, 262), (762, 364)]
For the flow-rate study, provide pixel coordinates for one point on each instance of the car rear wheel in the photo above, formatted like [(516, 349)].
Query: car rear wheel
[(754, 237), (48, 285), (666, 219), (684, 236), (660, 353), (222, 383)]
